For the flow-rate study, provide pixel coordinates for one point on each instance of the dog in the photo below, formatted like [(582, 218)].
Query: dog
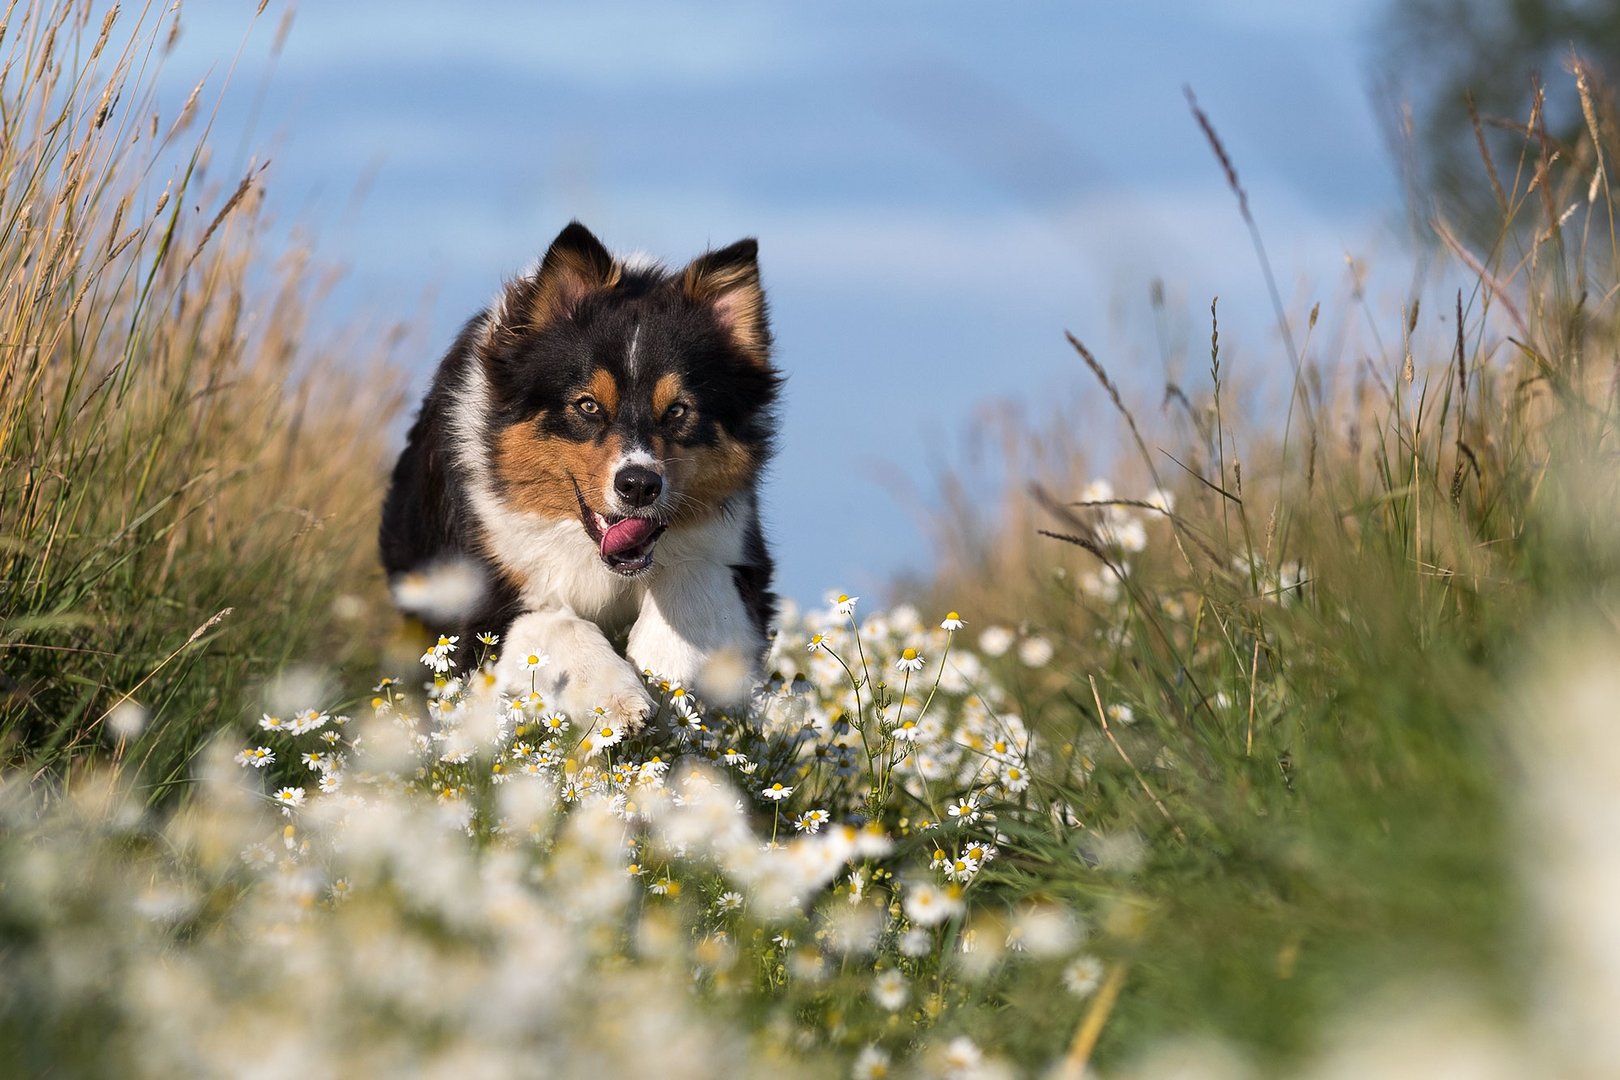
[(593, 446)]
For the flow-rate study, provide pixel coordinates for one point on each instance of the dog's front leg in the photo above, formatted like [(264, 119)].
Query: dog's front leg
[(584, 669), (691, 617)]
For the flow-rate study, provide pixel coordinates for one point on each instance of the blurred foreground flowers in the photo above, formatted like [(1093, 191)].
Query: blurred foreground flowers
[(466, 882), (459, 879)]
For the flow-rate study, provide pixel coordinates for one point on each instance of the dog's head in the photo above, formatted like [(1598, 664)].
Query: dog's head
[(626, 396)]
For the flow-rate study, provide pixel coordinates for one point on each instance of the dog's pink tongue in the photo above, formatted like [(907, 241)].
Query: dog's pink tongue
[(625, 535)]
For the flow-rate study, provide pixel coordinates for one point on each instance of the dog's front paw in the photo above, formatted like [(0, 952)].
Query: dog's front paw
[(613, 688), (631, 709)]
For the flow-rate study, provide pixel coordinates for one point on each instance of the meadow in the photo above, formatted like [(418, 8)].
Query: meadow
[(1288, 750)]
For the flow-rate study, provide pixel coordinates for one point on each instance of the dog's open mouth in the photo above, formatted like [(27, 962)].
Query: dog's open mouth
[(626, 543)]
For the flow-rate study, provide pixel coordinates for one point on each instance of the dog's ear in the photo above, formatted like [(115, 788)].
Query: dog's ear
[(576, 265), (727, 281)]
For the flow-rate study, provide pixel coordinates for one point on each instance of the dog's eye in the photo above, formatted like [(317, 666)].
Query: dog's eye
[(675, 412), (589, 406)]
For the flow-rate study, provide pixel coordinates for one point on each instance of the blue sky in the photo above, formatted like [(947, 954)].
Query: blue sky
[(939, 190)]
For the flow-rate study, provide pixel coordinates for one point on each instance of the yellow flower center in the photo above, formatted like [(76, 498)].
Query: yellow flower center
[(909, 654), (951, 616)]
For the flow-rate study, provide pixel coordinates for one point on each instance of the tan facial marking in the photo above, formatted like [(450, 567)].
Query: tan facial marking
[(605, 389), (535, 471), (705, 476), (665, 392)]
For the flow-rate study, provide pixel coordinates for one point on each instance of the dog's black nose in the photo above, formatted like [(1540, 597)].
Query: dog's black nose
[(638, 485)]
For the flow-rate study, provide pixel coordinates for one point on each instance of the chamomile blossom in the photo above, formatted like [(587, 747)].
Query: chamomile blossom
[(965, 809), (777, 792), (289, 799), (817, 643), (980, 851), (604, 732), (683, 702), (258, 757), (728, 902), (962, 1057), (307, 721), (272, 723), (1015, 778), (535, 661), (1083, 976), (909, 661), (926, 904), (872, 1063), (890, 989), (437, 658), (953, 622), (995, 640), (1035, 652), (811, 821), (845, 604)]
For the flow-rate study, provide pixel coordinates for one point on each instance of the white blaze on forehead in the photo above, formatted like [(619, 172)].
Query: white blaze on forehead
[(630, 357)]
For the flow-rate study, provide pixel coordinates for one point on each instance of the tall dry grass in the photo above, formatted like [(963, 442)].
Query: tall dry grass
[(1319, 644), (187, 481)]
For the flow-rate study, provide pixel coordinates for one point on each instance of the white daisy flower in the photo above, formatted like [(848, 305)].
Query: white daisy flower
[(965, 809), (308, 720), (953, 622), (926, 904), (289, 799), (909, 661), (890, 990), (995, 640), (777, 792), (1083, 975), (810, 821), (258, 757), (872, 1063), (1035, 652)]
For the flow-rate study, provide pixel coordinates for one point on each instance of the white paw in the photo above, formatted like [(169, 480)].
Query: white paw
[(631, 710), (610, 684)]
